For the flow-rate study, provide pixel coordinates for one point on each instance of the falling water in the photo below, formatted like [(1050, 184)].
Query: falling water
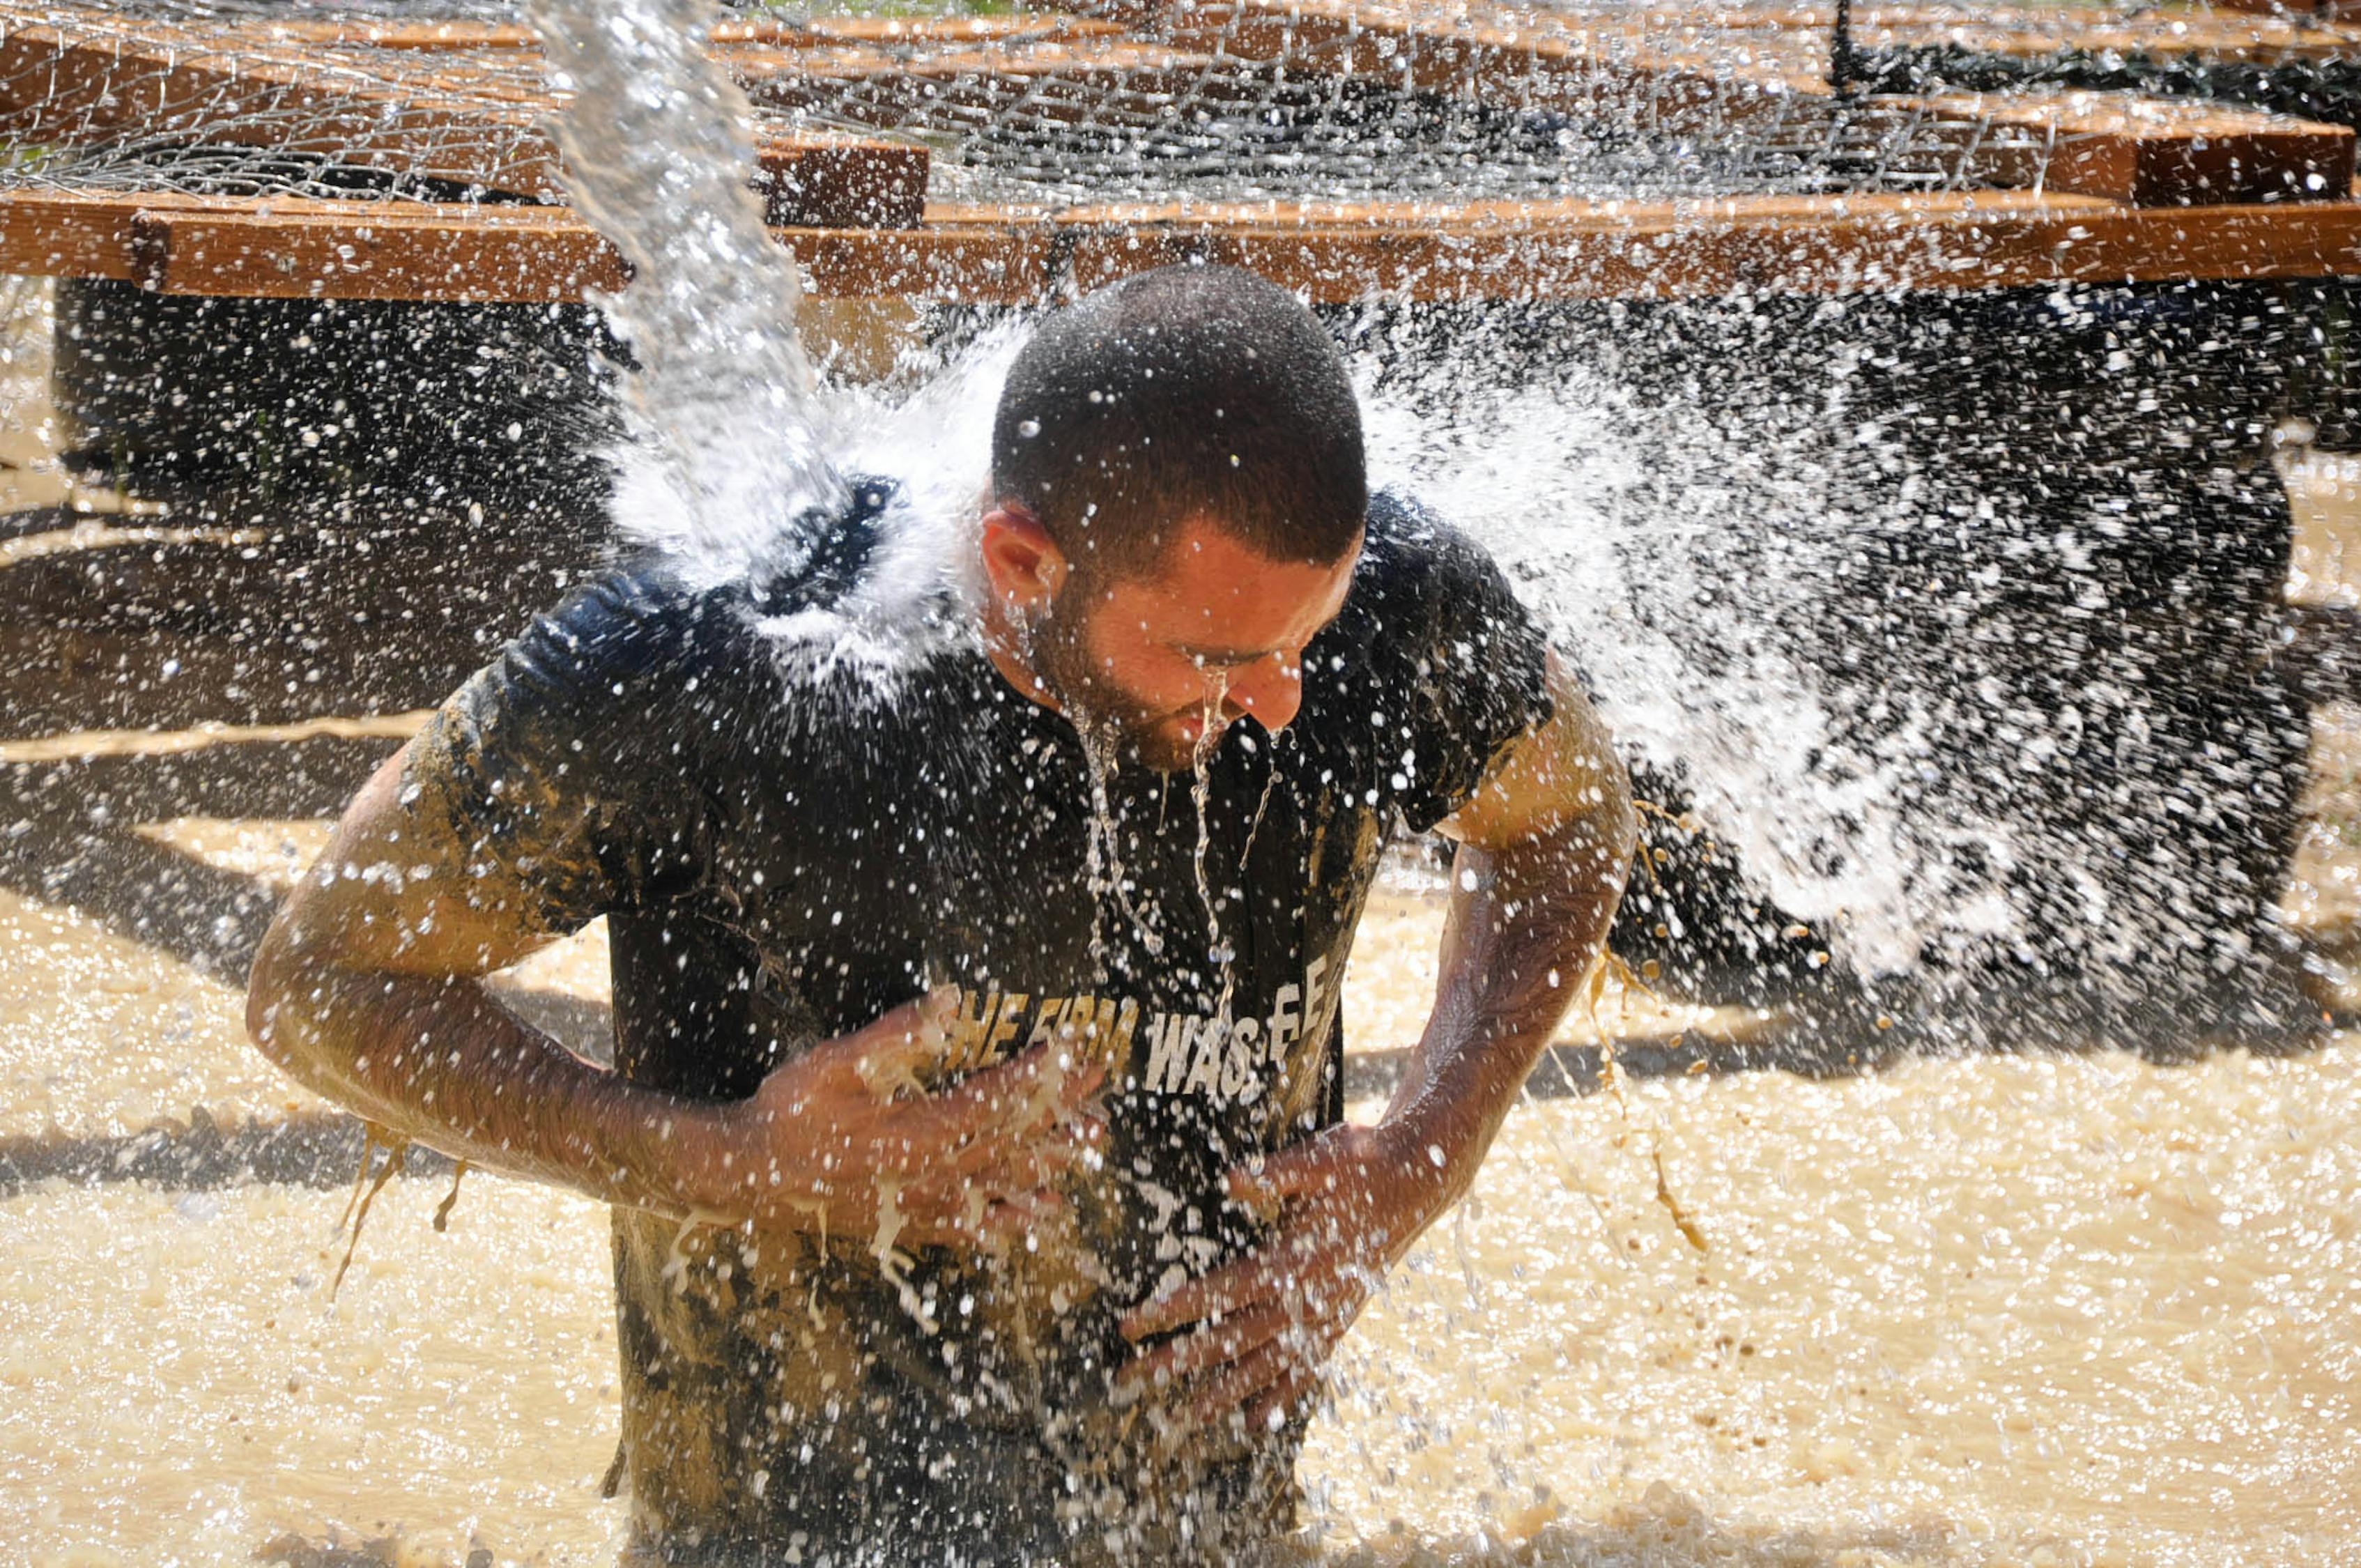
[(659, 153), (1670, 558)]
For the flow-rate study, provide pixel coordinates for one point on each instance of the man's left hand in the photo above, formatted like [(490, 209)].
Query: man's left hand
[(1347, 1203)]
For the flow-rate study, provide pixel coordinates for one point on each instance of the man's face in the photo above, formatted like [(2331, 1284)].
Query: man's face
[(1169, 655)]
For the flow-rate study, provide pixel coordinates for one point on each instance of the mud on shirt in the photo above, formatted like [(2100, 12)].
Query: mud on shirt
[(787, 843)]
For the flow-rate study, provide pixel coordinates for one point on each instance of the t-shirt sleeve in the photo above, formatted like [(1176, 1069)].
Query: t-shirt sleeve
[(1468, 662), (559, 768)]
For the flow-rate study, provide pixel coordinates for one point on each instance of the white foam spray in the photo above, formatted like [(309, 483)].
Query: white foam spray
[(1666, 559)]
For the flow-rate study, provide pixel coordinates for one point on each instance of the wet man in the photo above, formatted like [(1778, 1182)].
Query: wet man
[(979, 907)]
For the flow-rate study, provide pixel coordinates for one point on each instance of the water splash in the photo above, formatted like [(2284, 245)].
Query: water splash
[(1688, 560), (1670, 563), (727, 439), (1622, 520)]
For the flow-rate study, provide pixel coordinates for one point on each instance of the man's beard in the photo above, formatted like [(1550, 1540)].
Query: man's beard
[(1112, 720)]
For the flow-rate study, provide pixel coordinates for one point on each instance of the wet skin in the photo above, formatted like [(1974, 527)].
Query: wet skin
[(1165, 658), (368, 990)]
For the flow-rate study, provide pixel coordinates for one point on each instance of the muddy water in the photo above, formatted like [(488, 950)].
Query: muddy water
[(2066, 1309), (2075, 1309)]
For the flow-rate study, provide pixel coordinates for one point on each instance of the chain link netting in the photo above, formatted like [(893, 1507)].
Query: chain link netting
[(1045, 112)]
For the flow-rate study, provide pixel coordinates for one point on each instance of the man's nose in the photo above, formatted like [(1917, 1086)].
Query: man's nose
[(1271, 689)]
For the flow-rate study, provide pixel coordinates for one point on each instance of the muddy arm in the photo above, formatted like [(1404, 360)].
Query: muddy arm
[(367, 989), (1544, 851)]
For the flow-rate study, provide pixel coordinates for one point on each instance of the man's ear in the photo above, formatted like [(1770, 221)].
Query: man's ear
[(1022, 563)]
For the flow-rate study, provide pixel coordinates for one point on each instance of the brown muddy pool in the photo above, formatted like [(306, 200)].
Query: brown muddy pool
[(2033, 1309)]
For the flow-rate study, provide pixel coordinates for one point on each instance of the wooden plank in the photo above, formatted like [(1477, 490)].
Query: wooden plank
[(278, 248), (287, 248), (56, 234), (468, 255), (66, 86), (1016, 26), (428, 35), (1470, 49), (2153, 152), (435, 36), (1494, 217), (2326, 10), (2031, 242), (1072, 81), (774, 74), (74, 86), (2022, 31), (1587, 250), (1003, 263), (1676, 71), (785, 32)]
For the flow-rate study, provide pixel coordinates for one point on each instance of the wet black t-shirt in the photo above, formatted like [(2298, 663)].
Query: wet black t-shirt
[(803, 803)]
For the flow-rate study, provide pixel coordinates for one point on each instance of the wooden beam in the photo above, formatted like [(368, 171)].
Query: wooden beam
[(2020, 31), (2154, 152), (1670, 71), (782, 32), (881, 86), (287, 248), (77, 85), (1336, 251), (1799, 34), (57, 234), (776, 31), (1510, 215), (810, 182), (1859, 245), (2313, 9), (462, 120), (995, 264), (432, 36), (504, 254), (1487, 51)]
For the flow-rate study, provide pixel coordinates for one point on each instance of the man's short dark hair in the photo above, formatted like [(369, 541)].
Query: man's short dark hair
[(1182, 393)]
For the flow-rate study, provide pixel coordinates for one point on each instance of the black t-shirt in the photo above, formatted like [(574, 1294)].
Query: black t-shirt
[(804, 802)]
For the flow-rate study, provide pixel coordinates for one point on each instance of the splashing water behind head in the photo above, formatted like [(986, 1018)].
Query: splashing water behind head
[(1669, 558), (1666, 556)]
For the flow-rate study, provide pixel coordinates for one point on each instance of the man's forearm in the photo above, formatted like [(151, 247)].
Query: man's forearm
[(435, 1060), (1526, 924)]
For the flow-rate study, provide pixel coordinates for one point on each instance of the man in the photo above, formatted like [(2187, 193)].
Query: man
[(978, 916)]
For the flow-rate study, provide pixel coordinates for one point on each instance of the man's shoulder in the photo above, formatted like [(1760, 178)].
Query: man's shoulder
[(1408, 539), (1418, 572), (639, 629), (666, 615)]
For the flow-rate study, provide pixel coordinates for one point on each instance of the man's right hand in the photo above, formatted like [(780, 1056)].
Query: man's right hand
[(849, 1139)]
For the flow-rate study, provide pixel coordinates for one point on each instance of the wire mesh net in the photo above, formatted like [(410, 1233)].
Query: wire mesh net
[(1048, 112)]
